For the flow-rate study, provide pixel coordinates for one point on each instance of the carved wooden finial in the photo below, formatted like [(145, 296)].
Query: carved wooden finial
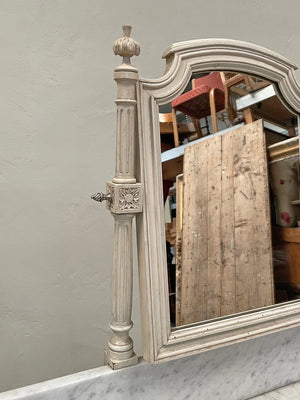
[(126, 47)]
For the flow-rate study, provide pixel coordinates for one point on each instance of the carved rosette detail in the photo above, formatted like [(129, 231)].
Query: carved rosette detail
[(126, 198), (126, 47), (129, 199)]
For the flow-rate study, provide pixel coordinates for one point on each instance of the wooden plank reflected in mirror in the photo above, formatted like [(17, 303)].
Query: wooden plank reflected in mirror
[(226, 235), (221, 233)]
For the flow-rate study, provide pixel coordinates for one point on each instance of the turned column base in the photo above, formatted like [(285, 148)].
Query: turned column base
[(112, 358)]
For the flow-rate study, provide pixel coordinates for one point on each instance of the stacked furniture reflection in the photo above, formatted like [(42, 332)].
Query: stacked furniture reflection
[(237, 190)]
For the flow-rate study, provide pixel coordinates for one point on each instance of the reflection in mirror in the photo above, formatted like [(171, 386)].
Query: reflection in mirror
[(230, 162)]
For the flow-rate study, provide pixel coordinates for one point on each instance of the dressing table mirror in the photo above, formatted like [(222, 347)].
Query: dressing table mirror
[(208, 164)]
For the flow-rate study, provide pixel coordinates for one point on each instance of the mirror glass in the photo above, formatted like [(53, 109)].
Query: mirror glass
[(230, 167)]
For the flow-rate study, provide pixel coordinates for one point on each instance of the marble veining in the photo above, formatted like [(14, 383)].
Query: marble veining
[(236, 372), (290, 392)]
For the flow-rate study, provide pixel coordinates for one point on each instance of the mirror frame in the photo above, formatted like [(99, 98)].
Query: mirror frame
[(160, 343)]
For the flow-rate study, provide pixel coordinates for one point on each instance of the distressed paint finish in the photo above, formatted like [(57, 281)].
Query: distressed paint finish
[(126, 201)]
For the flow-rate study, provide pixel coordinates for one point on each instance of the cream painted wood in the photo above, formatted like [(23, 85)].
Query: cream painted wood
[(125, 202), (160, 342)]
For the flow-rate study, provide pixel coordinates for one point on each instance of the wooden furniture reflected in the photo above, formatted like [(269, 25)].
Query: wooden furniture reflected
[(161, 340), (206, 98), (171, 131), (264, 103), (239, 85), (226, 257), (178, 246), (286, 263)]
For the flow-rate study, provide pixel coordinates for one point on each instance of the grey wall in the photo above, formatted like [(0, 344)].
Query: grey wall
[(57, 134)]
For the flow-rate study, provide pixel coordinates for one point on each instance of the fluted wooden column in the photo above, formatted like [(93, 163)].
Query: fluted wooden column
[(125, 199)]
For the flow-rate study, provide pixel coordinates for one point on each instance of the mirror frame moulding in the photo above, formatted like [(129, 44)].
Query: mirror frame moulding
[(160, 343)]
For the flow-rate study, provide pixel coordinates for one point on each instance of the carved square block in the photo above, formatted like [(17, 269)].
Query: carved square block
[(125, 198)]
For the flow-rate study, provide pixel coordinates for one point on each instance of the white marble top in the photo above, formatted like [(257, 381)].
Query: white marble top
[(236, 372), (289, 392)]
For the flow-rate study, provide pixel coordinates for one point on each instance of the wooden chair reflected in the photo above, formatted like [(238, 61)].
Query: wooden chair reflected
[(206, 98), (172, 131)]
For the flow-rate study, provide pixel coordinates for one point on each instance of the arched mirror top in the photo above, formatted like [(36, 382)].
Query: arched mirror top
[(184, 58), (163, 169)]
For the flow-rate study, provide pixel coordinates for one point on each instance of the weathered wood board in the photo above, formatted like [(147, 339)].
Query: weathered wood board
[(179, 201), (226, 256)]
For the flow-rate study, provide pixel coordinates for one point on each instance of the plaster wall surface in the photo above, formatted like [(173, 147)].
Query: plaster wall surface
[(57, 138)]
